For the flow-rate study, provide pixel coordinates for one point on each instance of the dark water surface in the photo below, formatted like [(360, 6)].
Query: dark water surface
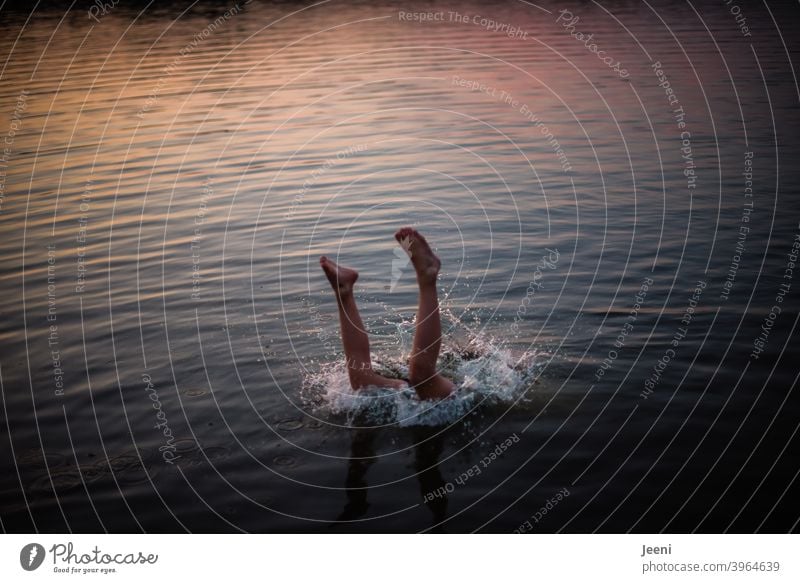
[(620, 232)]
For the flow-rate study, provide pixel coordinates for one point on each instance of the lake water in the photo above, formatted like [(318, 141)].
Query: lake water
[(615, 216)]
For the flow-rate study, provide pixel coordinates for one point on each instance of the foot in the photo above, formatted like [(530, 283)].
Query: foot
[(341, 278), (435, 388), (425, 261)]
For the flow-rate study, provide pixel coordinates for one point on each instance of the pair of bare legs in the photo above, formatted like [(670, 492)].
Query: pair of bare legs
[(422, 373)]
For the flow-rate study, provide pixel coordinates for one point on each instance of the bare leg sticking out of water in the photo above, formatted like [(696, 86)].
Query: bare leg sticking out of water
[(422, 374), (428, 333), (354, 336)]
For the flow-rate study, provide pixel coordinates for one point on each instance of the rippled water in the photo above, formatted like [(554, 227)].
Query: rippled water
[(170, 355)]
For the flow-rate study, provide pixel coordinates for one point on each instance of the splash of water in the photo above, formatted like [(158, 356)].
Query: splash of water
[(486, 374)]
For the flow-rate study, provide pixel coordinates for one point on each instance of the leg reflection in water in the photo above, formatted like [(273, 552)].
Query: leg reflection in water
[(362, 456), (428, 447)]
